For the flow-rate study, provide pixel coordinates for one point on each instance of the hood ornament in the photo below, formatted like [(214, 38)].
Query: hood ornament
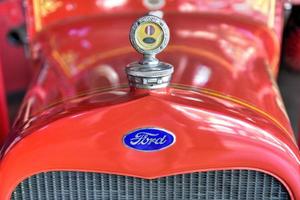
[(149, 35)]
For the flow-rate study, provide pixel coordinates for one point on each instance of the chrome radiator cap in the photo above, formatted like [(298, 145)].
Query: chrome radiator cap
[(149, 35)]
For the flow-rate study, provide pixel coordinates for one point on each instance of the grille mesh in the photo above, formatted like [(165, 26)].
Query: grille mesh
[(213, 185)]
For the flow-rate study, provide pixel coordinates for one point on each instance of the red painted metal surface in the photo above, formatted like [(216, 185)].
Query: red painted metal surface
[(4, 122), (223, 104), (296, 2), (211, 134), (15, 66), (40, 14)]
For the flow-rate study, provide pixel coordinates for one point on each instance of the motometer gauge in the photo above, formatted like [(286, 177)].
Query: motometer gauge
[(149, 35)]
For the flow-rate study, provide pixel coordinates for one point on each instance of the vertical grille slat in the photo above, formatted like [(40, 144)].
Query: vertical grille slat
[(212, 185)]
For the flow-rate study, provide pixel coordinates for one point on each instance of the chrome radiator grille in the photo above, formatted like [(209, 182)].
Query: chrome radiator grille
[(213, 185)]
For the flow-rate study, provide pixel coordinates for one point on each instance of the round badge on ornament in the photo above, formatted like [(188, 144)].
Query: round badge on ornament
[(149, 35)]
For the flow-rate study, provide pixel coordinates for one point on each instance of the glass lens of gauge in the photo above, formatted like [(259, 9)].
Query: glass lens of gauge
[(149, 36)]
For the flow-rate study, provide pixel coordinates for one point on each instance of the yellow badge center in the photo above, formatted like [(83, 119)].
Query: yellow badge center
[(149, 36)]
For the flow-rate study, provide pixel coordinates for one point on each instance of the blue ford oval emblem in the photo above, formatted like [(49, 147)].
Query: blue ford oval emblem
[(149, 139)]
